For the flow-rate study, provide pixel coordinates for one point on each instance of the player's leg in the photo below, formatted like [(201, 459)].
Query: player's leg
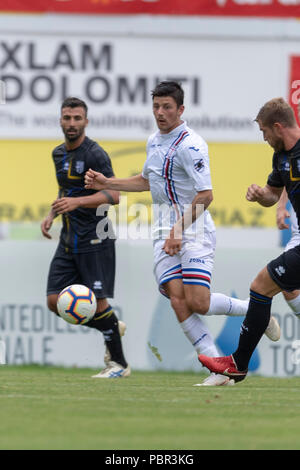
[(293, 298), (106, 321), (262, 291), (194, 328), (221, 304), (197, 257), (168, 274), (198, 261), (192, 325), (197, 265), (97, 271), (263, 288), (62, 273), (293, 301)]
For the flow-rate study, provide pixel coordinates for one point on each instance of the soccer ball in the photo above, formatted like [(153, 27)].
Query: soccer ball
[(77, 304)]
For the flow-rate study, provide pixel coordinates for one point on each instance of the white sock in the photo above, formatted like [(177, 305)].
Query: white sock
[(198, 334), (295, 306), (221, 304)]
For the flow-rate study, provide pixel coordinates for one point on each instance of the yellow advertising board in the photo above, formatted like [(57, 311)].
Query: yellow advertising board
[(28, 183)]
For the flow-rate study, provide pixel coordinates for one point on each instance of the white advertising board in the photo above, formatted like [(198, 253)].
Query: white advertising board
[(34, 335), (226, 81)]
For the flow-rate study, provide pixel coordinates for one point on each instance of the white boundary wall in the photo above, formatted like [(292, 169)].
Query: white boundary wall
[(34, 335)]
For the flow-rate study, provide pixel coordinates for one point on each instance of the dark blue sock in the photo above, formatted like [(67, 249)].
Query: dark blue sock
[(252, 329), (107, 323)]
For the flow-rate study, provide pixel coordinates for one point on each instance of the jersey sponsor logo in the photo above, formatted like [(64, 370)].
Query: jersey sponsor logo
[(199, 165), (280, 270), (193, 148), (66, 166), (97, 285), (197, 260), (243, 328), (285, 166), (295, 169), (95, 241), (79, 167)]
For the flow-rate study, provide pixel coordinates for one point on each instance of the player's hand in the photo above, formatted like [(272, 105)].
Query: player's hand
[(172, 246), (281, 215), (173, 243), (94, 180), (46, 225), (254, 193), (65, 204)]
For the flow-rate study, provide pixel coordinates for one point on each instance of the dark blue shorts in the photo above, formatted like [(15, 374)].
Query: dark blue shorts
[(95, 270), (285, 270)]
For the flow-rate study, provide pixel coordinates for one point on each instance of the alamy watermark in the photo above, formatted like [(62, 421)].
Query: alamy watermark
[(296, 352), (141, 222), (2, 92), (2, 352)]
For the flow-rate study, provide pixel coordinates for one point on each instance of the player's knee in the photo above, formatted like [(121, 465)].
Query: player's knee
[(259, 288), (52, 303), (200, 306), (178, 304), (261, 283)]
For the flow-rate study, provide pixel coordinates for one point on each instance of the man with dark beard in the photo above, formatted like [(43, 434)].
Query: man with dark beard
[(81, 257), (278, 124)]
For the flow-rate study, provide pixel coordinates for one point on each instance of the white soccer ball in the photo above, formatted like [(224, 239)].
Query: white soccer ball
[(77, 304)]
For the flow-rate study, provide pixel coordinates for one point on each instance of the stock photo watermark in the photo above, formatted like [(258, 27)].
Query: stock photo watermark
[(2, 352), (148, 222), (295, 357), (2, 92)]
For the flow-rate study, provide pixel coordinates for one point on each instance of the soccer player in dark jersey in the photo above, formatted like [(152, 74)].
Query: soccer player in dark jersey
[(278, 124), (81, 257)]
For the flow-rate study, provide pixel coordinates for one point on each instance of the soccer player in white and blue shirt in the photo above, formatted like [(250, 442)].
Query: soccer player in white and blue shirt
[(177, 173)]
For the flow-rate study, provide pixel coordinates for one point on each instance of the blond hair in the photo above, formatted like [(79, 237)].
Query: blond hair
[(276, 110)]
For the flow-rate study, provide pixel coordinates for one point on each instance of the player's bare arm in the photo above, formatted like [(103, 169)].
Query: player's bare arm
[(68, 204), (199, 204), (47, 223), (267, 196), (282, 213), (95, 180)]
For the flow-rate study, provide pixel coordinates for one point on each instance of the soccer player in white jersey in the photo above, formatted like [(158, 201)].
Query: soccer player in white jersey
[(177, 173), (292, 298)]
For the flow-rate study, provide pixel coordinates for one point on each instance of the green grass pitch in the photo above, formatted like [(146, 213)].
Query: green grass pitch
[(56, 408)]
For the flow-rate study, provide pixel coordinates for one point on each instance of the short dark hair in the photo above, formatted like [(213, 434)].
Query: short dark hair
[(72, 102), (169, 88), (276, 110)]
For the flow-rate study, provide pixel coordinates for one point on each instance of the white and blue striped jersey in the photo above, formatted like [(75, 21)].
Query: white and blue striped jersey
[(177, 167)]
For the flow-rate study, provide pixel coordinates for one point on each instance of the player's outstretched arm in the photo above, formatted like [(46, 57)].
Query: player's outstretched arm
[(95, 180), (68, 204), (281, 212), (267, 196), (47, 224)]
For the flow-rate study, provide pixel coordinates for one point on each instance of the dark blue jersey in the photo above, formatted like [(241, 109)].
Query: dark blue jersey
[(78, 233), (286, 172)]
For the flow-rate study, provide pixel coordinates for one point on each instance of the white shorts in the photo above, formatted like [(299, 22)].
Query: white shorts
[(193, 264)]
